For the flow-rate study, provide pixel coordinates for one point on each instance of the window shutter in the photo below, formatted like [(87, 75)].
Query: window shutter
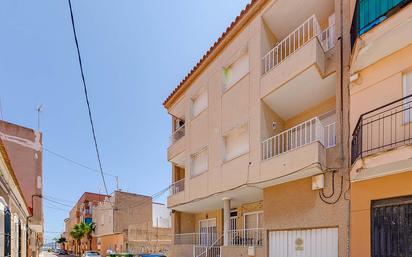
[(199, 162), (236, 71), (236, 143), (200, 103)]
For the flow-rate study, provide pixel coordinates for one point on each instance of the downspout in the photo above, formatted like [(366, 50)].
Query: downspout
[(27, 222), (346, 163)]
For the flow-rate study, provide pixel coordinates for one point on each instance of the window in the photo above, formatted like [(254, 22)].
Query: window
[(254, 220), (235, 72), (407, 91), (199, 103), (199, 162), (236, 142), (4, 229), (88, 220)]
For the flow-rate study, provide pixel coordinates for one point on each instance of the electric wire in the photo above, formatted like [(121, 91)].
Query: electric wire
[(57, 202), (63, 157), (87, 97)]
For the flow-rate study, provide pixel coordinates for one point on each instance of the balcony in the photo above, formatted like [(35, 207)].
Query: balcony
[(370, 44), (246, 237), (177, 187), (301, 148), (296, 68), (176, 147), (305, 133), (297, 39), (205, 239), (382, 138)]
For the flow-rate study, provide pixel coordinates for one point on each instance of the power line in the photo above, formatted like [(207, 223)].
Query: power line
[(54, 201), (58, 199), (87, 97), (61, 156), (56, 208)]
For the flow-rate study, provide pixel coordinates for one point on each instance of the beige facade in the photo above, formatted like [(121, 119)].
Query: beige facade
[(24, 148), (380, 89), (259, 135), (128, 222), (82, 211), (15, 235)]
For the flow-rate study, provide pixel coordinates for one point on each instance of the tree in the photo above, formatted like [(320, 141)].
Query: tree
[(77, 233), (88, 230), (62, 241)]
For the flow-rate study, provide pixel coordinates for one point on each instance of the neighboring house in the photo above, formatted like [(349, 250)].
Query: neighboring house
[(14, 211), (24, 149), (125, 223), (82, 211), (380, 123), (259, 144)]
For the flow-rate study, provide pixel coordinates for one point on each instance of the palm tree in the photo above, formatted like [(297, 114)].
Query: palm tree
[(88, 229), (62, 241), (77, 233)]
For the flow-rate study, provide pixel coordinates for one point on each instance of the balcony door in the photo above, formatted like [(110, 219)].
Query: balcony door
[(207, 231)]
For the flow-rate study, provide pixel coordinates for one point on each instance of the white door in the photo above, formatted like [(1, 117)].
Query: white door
[(207, 229), (304, 243)]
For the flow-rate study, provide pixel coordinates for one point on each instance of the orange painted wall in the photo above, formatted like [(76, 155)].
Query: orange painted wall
[(363, 192)]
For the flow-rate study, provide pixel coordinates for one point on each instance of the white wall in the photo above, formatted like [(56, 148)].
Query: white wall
[(161, 216)]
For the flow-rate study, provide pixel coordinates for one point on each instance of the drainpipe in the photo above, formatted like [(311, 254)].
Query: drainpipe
[(27, 222)]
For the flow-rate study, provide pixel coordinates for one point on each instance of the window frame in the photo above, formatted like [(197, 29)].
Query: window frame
[(193, 100), (201, 150)]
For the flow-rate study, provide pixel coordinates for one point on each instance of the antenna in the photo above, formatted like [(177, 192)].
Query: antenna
[(39, 109)]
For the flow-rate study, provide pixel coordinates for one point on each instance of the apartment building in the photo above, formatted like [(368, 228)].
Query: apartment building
[(259, 147), (14, 211), (82, 211), (380, 113), (24, 148), (128, 222)]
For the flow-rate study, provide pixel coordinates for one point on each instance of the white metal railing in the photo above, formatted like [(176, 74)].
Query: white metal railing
[(330, 135), (177, 187), (295, 137), (246, 237), (203, 239), (177, 134), (212, 250), (295, 40), (327, 38), (206, 251)]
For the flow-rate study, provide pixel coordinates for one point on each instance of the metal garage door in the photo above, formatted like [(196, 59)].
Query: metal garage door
[(304, 243), (392, 227)]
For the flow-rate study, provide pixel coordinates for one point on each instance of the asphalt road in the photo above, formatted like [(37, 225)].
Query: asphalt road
[(49, 254)]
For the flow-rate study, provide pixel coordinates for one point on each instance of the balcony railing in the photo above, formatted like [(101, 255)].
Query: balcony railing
[(177, 134), (206, 251), (369, 13), (383, 128), (246, 237), (293, 138), (297, 39), (205, 239), (177, 187)]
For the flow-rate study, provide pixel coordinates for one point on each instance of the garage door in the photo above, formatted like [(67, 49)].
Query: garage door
[(392, 227), (304, 243)]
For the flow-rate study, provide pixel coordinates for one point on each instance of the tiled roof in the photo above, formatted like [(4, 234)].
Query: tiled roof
[(213, 48)]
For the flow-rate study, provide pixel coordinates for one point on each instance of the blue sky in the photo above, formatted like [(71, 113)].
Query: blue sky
[(134, 53)]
